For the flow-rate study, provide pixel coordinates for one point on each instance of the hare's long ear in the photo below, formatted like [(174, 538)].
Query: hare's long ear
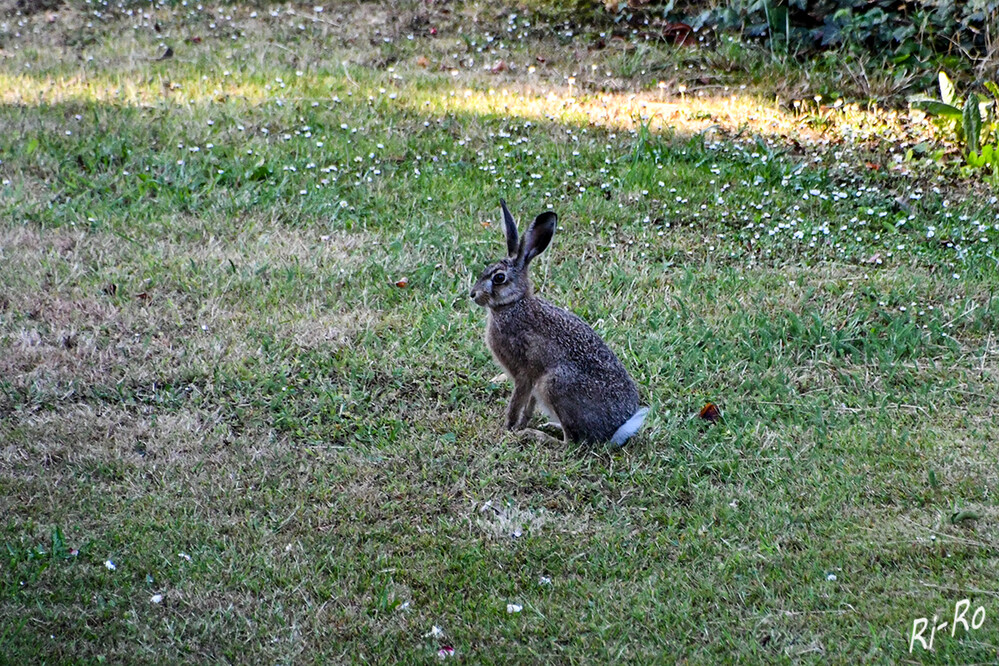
[(512, 244), (537, 238)]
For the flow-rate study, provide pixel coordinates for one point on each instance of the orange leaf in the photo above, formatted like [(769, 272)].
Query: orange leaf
[(710, 412)]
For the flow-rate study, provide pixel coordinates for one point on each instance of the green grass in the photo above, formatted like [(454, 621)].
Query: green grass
[(209, 376)]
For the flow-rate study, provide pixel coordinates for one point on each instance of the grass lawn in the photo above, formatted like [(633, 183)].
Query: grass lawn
[(247, 414)]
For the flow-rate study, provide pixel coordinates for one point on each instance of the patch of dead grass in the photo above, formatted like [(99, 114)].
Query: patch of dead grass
[(61, 329), (53, 443), (505, 520)]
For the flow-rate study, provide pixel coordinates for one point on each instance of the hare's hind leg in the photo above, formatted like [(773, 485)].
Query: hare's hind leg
[(552, 428), (540, 436), (553, 420)]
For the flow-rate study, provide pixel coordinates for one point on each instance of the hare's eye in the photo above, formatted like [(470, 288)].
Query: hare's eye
[(499, 278)]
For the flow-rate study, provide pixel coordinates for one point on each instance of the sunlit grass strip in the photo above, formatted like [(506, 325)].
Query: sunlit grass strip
[(122, 90), (736, 112)]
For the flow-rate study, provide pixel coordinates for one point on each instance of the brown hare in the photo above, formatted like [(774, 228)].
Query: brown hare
[(553, 357)]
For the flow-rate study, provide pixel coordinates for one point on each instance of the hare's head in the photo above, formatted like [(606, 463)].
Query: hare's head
[(506, 281)]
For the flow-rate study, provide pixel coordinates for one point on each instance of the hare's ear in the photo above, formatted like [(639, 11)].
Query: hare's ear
[(512, 244), (537, 238)]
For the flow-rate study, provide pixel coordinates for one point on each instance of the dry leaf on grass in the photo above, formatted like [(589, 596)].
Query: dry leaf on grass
[(710, 412)]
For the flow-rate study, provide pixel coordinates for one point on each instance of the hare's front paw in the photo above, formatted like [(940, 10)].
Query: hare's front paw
[(518, 414), (522, 422), (514, 422)]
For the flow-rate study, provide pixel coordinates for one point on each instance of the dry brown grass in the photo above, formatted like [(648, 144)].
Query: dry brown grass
[(67, 327)]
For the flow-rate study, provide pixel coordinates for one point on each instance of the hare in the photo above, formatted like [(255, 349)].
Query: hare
[(553, 357)]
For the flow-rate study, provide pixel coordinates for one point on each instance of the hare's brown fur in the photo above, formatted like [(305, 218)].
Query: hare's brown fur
[(551, 355)]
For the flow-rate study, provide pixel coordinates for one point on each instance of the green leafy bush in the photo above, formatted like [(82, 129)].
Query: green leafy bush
[(973, 123), (910, 28), (931, 33)]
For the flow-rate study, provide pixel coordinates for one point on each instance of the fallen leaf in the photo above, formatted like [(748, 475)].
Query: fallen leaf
[(680, 34), (423, 62), (873, 259), (872, 166), (710, 412), (498, 67)]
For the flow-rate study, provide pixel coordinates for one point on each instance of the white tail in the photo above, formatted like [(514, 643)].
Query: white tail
[(630, 427)]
